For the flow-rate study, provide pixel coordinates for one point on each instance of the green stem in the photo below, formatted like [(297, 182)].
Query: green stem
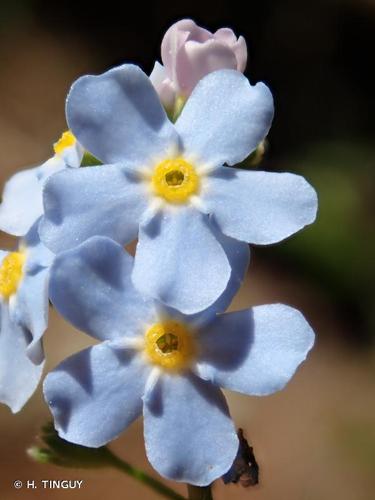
[(199, 493), (144, 478)]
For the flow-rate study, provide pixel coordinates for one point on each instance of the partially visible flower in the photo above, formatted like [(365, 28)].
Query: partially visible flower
[(162, 363), (22, 198), (166, 181), (24, 317), (68, 149), (189, 53)]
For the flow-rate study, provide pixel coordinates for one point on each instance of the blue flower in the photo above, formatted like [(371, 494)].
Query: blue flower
[(165, 180), (160, 362), (22, 201), (24, 315)]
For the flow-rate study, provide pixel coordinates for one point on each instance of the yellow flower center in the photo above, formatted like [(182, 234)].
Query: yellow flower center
[(11, 271), (66, 141), (175, 180), (170, 345)]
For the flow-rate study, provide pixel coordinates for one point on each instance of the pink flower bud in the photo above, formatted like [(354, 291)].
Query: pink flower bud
[(190, 52), (163, 86)]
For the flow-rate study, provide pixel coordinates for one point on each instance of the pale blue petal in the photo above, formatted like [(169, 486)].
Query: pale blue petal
[(84, 202), (73, 155), (260, 207), (29, 309), (163, 86), (189, 434), (255, 351), (238, 255), (180, 262), (22, 197), (91, 287), (95, 394), (22, 202), (225, 118), (117, 116), (38, 255), (29, 306), (158, 74), (19, 377)]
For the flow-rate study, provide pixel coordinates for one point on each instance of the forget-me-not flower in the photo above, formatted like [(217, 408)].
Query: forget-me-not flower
[(164, 180), (22, 201), (24, 315), (157, 361)]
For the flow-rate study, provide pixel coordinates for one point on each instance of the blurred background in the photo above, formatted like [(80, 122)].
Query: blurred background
[(315, 439)]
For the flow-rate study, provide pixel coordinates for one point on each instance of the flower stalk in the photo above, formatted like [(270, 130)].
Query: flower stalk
[(56, 450), (199, 492), (144, 478)]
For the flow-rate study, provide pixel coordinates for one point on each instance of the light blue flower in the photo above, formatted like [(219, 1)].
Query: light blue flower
[(22, 202), (162, 363), (164, 180), (24, 316)]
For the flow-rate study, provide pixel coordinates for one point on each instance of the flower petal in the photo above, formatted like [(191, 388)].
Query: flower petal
[(22, 198), (163, 86), (29, 310), (84, 202), (29, 306), (255, 351), (174, 40), (38, 255), (95, 394), (180, 262), (157, 75), (91, 287), (72, 155), (189, 434), (226, 35), (260, 207), (19, 377), (196, 60), (117, 116), (225, 118), (238, 255)]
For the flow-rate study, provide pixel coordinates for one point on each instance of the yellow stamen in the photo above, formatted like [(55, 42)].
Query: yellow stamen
[(175, 180), (11, 271), (170, 345), (66, 141)]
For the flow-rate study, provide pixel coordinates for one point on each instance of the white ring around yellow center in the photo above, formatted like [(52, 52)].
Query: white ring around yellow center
[(170, 346), (175, 180)]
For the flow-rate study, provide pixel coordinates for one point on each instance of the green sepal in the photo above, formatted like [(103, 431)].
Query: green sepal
[(56, 450), (89, 160)]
